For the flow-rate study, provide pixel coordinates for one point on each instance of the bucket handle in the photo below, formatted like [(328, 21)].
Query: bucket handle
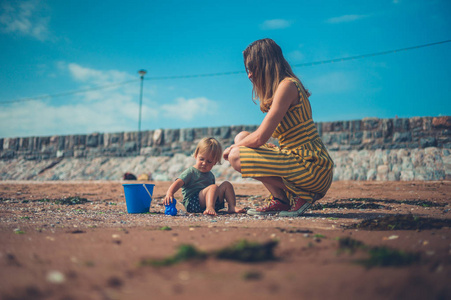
[(145, 187)]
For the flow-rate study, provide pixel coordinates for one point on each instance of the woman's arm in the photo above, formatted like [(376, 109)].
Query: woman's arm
[(286, 95)]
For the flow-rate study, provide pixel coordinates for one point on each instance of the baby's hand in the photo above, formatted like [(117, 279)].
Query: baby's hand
[(168, 199)]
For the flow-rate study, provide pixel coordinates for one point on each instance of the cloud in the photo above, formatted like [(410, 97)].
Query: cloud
[(188, 109), (85, 74), (275, 24), (105, 110), (345, 19), (113, 109), (21, 17)]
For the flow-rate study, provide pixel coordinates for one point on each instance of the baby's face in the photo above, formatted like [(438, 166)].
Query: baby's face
[(204, 162)]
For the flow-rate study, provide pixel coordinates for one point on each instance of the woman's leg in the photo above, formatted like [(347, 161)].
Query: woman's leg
[(275, 186), (241, 136), (234, 155)]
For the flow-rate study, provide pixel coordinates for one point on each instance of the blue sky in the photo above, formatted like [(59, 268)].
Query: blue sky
[(52, 48)]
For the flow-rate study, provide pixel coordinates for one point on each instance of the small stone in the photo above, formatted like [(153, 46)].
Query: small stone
[(56, 277)]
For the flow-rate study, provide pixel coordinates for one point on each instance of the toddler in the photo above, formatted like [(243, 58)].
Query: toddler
[(200, 193)]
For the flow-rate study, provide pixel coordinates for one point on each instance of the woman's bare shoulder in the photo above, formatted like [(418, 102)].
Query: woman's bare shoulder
[(288, 89)]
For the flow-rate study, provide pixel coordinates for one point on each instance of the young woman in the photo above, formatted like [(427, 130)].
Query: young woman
[(300, 170)]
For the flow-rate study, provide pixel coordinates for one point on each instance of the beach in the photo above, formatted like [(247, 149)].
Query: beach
[(75, 240)]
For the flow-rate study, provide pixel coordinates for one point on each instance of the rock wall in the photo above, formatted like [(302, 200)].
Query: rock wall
[(369, 149)]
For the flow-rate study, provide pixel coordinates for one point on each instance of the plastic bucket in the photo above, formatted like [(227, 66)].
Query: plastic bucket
[(138, 197)]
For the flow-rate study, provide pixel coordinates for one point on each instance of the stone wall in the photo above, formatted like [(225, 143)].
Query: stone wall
[(368, 149)]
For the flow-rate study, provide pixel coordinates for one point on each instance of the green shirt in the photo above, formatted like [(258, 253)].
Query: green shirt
[(194, 181)]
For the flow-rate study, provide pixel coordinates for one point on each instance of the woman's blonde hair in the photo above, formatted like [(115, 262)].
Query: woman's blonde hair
[(209, 146), (264, 59)]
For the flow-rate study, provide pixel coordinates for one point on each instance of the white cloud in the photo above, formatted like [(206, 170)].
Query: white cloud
[(105, 110), (112, 109), (84, 74), (22, 17), (345, 19), (188, 109), (275, 24)]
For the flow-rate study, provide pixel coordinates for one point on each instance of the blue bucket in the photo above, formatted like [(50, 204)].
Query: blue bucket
[(138, 197)]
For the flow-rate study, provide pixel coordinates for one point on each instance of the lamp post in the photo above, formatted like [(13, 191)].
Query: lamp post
[(141, 73)]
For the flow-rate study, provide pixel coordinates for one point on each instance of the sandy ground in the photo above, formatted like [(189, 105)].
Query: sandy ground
[(96, 250)]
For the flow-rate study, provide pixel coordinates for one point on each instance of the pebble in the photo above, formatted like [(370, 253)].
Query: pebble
[(56, 277)]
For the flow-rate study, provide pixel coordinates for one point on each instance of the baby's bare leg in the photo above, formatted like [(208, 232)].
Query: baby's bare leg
[(226, 191), (207, 199)]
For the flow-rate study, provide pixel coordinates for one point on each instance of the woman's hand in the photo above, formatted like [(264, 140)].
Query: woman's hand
[(226, 153), (271, 145)]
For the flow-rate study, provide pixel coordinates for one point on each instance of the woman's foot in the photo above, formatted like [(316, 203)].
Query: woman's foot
[(298, 208), (274, 206)]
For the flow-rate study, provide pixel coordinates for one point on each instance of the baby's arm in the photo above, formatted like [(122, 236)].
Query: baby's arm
[(175, 186)]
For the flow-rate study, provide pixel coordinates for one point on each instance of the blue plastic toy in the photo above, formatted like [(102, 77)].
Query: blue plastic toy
[(170, 209)]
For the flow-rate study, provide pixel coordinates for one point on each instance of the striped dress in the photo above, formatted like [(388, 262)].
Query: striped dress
[(301, 159)]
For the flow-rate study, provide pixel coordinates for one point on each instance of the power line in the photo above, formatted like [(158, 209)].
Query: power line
[(62, 94), (226, 73), (329, 61), (369, 55), (195, 75)]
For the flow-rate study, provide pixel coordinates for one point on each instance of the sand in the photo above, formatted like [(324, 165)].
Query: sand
[(96, 250)]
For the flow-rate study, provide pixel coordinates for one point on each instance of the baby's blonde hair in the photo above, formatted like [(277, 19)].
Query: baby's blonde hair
[(209, 146)]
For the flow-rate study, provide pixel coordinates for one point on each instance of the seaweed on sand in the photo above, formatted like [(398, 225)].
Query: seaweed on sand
[(371, 203), (385, 257), (184, 253), (243, 251), (71, 201), (246, 251), (381, 256), (401, 222)]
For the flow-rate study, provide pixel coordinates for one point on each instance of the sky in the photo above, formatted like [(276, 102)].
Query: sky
[(71, 67)]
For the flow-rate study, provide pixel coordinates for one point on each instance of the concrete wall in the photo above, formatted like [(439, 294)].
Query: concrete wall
[(366, 134), (369, 149)]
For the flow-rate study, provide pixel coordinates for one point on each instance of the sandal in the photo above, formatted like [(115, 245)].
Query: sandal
[(298, 208), (274, 206)]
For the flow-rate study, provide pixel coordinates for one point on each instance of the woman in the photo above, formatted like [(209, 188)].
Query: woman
[(300, 170)]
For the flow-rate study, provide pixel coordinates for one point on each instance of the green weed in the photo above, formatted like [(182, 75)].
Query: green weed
[(184, 253), (379, 256), (385, 257), (246, 251)]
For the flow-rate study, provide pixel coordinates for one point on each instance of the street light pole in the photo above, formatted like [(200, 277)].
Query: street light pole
[(141, 73)]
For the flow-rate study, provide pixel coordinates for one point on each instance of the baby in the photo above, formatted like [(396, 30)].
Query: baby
[(200, 193)]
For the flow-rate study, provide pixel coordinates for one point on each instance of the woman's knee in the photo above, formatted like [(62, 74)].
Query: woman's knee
[(241, 136), (234, 159)]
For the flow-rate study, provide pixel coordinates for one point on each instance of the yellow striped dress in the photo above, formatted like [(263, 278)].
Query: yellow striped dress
[(301, 159)]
